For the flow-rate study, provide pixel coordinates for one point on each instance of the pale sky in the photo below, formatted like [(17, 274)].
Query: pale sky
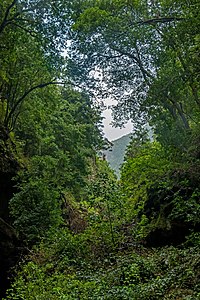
[(113, 133)]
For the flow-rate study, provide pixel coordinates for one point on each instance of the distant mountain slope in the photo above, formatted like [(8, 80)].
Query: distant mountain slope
[(115, 155)]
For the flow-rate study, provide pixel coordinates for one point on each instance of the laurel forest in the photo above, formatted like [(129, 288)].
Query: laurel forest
[(69, 227)]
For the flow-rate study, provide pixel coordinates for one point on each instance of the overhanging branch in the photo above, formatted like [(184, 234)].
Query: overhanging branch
[(160, 20), (137, 60), (26, 93), (5, 20)]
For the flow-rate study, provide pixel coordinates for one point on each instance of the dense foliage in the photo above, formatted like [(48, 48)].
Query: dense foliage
[(84, 233), (168, 273)]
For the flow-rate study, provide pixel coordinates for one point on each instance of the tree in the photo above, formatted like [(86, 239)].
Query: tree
[(160, 192), (38, 19), (55, 129), (59, 136), (21, 75), (33, 36), (142, 51)]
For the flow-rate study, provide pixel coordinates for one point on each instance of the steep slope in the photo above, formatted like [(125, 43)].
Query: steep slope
[(115, 155)]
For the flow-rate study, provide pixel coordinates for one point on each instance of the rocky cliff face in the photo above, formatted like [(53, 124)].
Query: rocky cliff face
[(9, 243), (9, 254)]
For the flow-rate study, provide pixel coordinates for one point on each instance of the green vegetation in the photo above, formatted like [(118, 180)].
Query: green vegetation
[(159, 274), (69, 229)]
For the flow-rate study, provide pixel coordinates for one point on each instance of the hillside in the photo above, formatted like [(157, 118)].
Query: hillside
[(115, 155)]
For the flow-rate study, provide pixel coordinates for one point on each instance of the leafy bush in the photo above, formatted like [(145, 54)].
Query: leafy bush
[(36, 209), (165, 273), (161, 194)]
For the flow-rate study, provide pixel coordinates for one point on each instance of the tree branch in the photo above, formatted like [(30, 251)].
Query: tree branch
[(5, 20), (31, 32), (111, 56), (144, 72), (160, 20), (26, 93)]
